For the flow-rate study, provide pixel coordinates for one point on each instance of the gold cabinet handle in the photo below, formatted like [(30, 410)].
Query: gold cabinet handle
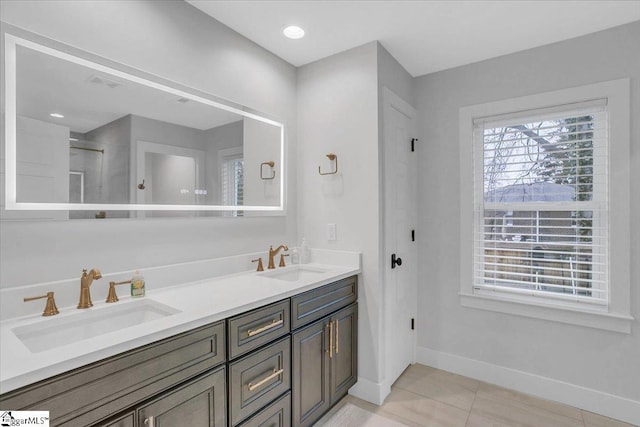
[(330, 340), (266, 379), (273, 324), (149, 422), (337, 335)]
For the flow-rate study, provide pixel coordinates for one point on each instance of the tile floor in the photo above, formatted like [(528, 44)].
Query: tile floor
[(425, 396)]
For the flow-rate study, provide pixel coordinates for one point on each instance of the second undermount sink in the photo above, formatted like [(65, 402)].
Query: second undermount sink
[(51, 333), (294, 273)]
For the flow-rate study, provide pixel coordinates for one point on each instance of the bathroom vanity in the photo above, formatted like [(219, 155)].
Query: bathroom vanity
[(285, 361)]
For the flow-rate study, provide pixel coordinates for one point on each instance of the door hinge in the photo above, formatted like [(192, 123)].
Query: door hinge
[(413, 235), (413, 141), (413, 323)]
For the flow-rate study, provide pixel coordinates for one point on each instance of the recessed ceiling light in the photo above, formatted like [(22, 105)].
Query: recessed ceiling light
[(57, 115), (293, 32)]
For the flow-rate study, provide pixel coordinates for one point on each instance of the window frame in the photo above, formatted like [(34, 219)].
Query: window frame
[(615, 315)]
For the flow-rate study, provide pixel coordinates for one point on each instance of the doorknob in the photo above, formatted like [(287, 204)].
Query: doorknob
[(395, 261)]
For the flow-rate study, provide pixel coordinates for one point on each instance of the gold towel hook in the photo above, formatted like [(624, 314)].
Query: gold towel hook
[(271, 164), (331, 157)]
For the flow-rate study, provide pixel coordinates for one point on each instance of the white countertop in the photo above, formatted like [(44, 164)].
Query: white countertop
[(198, 303)]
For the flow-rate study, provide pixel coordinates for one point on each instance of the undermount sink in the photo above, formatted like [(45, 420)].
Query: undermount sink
[(51, 333), (294, 273)]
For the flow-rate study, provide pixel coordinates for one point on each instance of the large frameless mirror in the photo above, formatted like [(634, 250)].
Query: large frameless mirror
[(87, 138)]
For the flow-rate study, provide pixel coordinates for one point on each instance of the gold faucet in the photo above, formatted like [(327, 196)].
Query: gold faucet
[(85, 283), (273, 253)]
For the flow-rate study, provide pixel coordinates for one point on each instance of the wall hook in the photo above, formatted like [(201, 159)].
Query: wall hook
[(141, 186), (271, 164), (334, 158)]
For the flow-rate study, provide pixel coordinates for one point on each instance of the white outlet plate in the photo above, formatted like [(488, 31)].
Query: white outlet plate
[(331, 232)]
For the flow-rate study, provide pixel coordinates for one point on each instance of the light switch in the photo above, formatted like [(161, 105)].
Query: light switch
[(331, 232)]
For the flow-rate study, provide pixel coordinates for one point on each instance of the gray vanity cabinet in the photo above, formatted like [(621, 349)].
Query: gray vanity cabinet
[(324, 353), (283, 364), (93, 393), (324, 364)]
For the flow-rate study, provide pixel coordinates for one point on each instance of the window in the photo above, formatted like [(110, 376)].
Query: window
[(232, 180), (542, 205)]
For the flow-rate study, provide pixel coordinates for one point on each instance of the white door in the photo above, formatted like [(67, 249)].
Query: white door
[(400, 215)]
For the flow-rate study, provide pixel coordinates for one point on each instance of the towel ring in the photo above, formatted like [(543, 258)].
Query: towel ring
[(331, 157), (271, 164)]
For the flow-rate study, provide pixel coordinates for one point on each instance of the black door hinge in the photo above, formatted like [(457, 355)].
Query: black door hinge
[(413, 323), (413, 141), (413, 235)]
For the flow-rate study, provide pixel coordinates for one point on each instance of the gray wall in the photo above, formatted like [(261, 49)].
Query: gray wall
[(591, 358), (338, 113), (219, 138), (106, 177), (175, 41), (393, 76)]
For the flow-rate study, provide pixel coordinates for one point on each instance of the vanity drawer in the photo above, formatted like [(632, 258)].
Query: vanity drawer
[(89, 394), (251, 330), (259, 378), (317, 303), (278, 414)]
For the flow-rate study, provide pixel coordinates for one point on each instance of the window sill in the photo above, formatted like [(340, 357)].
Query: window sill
[(573, 316)]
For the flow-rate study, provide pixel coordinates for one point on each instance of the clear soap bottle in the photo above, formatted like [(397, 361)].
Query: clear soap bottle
[(137, 285), (305, 254), (295, 256)]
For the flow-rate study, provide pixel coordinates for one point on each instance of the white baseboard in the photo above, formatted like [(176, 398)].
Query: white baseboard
[(370, 391), (588, 399)]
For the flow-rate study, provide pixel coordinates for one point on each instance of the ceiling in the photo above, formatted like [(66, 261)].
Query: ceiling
[(424, 36)]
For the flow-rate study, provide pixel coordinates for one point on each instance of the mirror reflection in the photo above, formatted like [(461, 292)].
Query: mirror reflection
[(115, 145)]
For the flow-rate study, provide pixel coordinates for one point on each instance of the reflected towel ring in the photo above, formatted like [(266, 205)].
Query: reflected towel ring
[(271, 164), (334, 158)]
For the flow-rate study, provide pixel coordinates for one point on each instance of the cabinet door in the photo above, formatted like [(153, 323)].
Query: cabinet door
[(344, 358), (310, 387), (199, 403), (278, 414), (127, 420)]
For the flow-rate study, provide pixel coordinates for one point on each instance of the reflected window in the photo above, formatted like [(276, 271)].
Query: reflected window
[(232, 182)]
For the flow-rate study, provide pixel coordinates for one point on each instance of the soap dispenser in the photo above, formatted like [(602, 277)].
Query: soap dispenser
[(137, 285), (305, 255)]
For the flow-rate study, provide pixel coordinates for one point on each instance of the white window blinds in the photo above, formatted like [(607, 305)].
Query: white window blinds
[(541, 203), (233, 183)]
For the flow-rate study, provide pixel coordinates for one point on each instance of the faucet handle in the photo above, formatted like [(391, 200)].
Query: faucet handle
[(50, 308), (282, 264), (260, 266), (112, 296)]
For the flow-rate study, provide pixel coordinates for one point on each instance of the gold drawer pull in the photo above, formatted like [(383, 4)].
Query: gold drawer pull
[(264, 380), (337, 335), (273, 324), (330, 340)]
